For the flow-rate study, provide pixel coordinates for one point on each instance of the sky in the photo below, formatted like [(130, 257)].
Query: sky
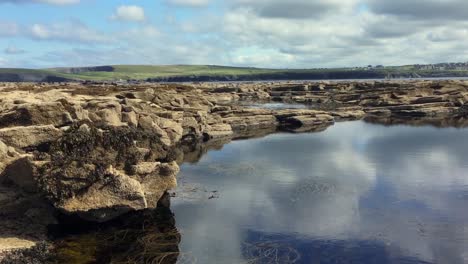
[(255, 33)]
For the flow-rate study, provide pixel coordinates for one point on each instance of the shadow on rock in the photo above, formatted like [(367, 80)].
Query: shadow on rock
[(148, 236)]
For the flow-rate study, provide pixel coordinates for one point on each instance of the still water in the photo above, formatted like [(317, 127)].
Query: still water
[(276, 105), (356, 193)]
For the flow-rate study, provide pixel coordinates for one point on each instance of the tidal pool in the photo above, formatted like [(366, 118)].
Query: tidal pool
[(355, 193), (276, 105)]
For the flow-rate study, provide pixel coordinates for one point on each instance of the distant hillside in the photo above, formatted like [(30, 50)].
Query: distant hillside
[(182, 73), (30, 75)]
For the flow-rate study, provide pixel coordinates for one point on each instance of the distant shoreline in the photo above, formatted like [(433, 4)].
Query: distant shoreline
[(207, 73)]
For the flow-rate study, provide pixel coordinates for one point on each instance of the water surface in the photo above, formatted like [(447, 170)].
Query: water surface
[(276, 105), (356, 193)]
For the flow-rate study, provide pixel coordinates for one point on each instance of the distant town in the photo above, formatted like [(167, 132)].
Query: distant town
[(460, 66)]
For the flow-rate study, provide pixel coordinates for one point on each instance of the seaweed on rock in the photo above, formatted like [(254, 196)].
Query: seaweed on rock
[(83, 154)]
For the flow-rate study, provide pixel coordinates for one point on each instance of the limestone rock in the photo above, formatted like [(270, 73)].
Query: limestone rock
[(107, 198), (307, 123), (35, 114), (109, 117), (29, 136), (217, 131), (100, 175), (255, 122), (130, 118), (21, 173), (7, 155), (12, 243), (173, 129)]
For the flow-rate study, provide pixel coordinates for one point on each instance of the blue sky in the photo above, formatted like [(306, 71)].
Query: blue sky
[(261, 33)]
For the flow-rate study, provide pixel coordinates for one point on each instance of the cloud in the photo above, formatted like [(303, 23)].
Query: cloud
[(69, 31), (149, 32), (447, 34), (12, 50), (349, 37), (267, 33), (295, 9), (52, 2), (384, 26), (8, 28), (131, 13), (325, 40), (188, 3), (422, 9)]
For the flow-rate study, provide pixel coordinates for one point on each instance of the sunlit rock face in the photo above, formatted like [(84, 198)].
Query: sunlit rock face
[(101, 151), (103, 174)]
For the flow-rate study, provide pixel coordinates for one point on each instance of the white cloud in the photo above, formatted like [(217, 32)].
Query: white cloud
[(261, 58), (448, 34), (348, 37), (129, 13), (270, 33), (189, 3), (69, 31), (40, 31)]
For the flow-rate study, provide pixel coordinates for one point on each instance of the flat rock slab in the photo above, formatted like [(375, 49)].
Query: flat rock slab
[(29, 136), (13, 243)]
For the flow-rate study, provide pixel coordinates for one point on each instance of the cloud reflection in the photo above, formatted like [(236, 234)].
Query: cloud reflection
[(403, 187)]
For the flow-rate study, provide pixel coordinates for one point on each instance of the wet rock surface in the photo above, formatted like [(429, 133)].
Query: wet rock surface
[(101, 151)]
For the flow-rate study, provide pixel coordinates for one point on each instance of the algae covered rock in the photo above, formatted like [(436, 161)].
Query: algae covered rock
[(91, 171)]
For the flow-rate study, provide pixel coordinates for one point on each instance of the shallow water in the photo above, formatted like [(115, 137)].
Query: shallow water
[(356, 193), (276, 105)]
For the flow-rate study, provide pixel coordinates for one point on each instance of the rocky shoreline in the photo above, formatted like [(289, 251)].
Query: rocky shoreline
[(99, 151)]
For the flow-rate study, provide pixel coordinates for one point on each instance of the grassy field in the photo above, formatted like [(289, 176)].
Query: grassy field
[(143, 72)]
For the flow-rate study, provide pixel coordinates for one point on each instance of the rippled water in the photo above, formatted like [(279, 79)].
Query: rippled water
[(356, 193)]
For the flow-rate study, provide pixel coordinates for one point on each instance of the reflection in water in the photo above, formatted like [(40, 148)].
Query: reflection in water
[(356, 193), (459, 122), (275, 105)]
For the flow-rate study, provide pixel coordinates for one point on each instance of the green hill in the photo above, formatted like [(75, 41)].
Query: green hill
[(219, 73)]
